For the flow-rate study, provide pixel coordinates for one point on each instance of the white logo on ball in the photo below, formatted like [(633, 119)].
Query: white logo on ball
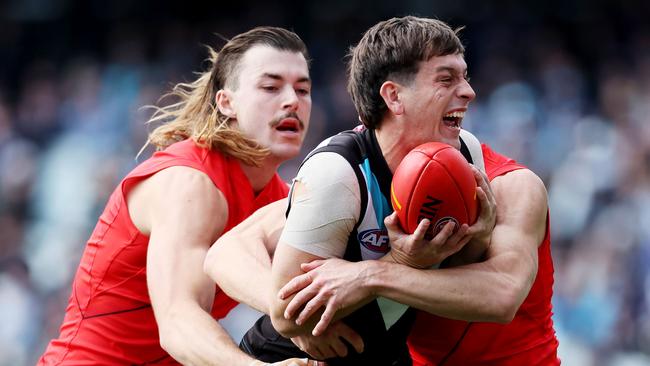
[(442, 222)]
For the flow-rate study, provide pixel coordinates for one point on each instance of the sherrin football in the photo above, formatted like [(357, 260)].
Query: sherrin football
[(434, 181)]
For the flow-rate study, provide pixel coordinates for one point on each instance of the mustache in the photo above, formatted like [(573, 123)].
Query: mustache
[(274, 123)]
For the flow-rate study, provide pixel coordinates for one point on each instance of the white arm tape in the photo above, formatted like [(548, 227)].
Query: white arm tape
[(325, 213)]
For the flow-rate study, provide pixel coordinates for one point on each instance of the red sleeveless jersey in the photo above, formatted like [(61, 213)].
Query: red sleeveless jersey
[(109, 319), (528, 340)]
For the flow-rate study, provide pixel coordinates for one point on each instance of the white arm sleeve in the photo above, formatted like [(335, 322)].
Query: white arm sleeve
[(323, 216)]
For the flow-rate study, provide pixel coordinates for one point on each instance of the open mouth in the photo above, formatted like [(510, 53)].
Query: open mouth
[(288, 125), (453, 119)]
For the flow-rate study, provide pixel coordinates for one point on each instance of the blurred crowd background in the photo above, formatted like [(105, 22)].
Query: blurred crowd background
[(563, 86)]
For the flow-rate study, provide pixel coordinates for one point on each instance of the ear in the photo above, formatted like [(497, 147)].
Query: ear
[(224, 102), (390, 92)]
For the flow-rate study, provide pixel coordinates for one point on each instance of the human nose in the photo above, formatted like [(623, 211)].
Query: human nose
[(466, 91), (290, 100)]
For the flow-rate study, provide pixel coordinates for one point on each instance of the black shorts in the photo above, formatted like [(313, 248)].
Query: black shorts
[(381, 347), (264, 343)]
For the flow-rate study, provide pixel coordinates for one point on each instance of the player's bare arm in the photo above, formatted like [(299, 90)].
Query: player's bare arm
[(345, 279), (181, 294), (287, 265), (411, 250), (491, 290), (488, 291), (481, 231), (240, 263), (240, 260)]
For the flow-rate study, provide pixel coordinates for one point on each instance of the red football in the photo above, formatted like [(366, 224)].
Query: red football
[(434, 181)]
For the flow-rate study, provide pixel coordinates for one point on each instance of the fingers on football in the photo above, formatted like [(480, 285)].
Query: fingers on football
[(455, 242), (391, 221), (476, 228), (421, 230), (444, 234), (464, 241), (479, 176), (456, 237), (482, 198)]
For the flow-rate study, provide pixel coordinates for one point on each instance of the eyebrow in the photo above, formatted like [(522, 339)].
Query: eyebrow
[(303, 79), (449, 69)]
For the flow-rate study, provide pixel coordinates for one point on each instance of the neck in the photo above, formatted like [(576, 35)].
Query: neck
[(260, 176), (393, 143)]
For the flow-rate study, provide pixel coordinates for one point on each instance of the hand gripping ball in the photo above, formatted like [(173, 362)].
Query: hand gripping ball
[(434, 181)]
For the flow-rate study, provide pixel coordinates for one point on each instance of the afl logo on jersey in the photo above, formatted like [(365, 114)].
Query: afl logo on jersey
[(375, 240)]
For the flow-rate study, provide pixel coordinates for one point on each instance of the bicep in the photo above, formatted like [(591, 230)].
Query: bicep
[(187, 214), (521, 222), (286, 264)]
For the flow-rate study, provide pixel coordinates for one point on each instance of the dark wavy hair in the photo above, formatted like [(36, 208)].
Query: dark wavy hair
[(393, 49)]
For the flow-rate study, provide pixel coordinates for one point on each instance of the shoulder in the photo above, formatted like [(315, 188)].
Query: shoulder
[(520, 180), (182, 153), (180, 195), (184, 182), (326, 169), (497, 164)]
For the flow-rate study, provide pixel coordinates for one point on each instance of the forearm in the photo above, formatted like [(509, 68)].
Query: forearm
[(288, 328), (242, 273), (240, 261), (192, 337), (305, 296), (472, 252), (475, 292)]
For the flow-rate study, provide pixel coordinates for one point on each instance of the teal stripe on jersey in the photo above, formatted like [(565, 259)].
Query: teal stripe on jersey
[(377, 197)]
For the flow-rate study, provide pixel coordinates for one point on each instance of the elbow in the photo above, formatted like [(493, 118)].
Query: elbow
[(507, 305), (504, 314), (208, 262), (501, 311), (286, 327), (169, 342), (166, 343), (211, 265), (511, 291)]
